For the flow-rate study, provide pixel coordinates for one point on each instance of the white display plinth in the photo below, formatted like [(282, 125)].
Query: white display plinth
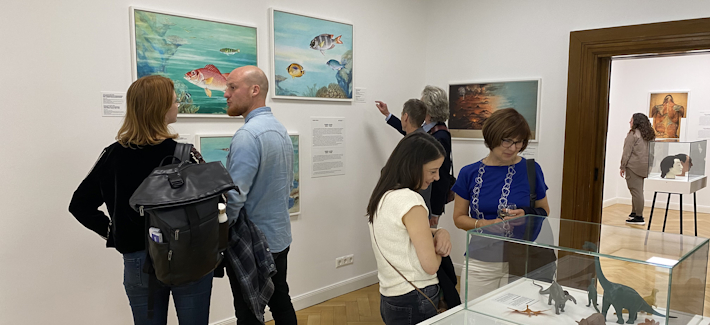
[(679, 185), (483, 309)]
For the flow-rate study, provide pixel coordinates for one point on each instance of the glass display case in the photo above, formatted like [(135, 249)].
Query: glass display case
[(677, 161), (524, 272)]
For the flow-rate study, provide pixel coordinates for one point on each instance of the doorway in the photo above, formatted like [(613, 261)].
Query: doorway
[(587, 115)]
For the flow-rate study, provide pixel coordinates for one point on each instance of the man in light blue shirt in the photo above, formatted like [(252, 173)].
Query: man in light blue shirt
[(260, 161)]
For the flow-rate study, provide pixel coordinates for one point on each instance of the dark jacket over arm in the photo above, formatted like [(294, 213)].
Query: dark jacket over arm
[(396, 124)]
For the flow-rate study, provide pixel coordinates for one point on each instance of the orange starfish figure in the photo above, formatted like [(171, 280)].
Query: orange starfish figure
[(528, 312)]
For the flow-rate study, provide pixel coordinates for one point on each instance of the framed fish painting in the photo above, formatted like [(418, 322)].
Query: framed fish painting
[(471, 103), (312, 58), (197, 54), (215, 147)]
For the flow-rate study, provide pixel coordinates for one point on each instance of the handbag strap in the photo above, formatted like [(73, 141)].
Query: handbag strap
[(533, 196), (182, 151), (531, 179), (400, 273)]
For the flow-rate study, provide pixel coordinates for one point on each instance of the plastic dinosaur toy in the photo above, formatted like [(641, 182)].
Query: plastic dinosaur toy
[(650, 300), (619, 295), (528, 312), (650, 322), (593, 319), (559, 295), (592, 294)]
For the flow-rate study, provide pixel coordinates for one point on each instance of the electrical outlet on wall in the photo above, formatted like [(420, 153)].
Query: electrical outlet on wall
[(344, 260)]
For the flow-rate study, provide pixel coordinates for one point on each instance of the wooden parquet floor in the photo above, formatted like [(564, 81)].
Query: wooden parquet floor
[(362, 307), (616, 215)]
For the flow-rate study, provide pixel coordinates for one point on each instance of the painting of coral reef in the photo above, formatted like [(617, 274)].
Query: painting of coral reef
[(294, 200), (470, 105), (196, 54), (312, 58)]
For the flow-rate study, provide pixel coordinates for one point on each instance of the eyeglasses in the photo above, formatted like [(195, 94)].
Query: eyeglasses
[(507, 143)]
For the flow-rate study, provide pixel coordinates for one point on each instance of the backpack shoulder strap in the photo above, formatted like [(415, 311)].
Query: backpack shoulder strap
[(182, 151), (531, 180)]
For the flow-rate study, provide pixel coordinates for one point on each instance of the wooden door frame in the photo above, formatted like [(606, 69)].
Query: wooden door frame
[(590, 53)]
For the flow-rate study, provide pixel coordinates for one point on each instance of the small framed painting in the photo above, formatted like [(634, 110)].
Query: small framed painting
[(214, 147), (667, 111)]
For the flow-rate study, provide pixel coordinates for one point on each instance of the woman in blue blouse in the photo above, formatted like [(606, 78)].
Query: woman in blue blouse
[(496, 182)]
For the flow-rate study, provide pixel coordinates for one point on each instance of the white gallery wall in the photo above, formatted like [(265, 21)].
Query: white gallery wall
[(632, 81), (58, 56), (510, 40)]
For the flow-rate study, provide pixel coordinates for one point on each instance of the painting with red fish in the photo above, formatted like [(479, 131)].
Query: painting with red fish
[(196, 53)]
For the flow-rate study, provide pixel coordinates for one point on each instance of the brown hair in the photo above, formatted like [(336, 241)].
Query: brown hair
[(640, 122), (147, 102), (405, 166), (505, 123), (416, 110)]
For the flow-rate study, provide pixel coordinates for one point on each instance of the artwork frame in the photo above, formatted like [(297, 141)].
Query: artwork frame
[(193, 97), (296, 190), (526, 91), (281, 24), (215, 147), (678, 97)]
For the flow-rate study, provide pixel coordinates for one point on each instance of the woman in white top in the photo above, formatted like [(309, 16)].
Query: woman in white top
[(400, 233)]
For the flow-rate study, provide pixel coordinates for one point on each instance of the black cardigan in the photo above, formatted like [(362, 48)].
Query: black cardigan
[(114, 178)]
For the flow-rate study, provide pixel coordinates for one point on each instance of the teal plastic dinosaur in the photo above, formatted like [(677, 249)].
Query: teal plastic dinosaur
[(592, 294), (559, 295), (619, 295)]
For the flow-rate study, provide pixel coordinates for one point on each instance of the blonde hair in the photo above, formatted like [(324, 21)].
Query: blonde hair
[(147, 102)]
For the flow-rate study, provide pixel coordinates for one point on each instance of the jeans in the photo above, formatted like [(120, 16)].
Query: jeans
[(280, 302), (192, 301), (410, 308)]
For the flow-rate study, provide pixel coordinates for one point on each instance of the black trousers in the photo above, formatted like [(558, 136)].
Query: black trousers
[(280, 302)]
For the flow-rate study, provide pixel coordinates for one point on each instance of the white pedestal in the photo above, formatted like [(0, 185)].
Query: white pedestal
[(679, 185)]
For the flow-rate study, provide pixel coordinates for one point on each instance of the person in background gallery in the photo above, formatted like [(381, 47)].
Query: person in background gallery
[(634, 163), (408, 252), (485, 194), (143, 141), (260, 161)]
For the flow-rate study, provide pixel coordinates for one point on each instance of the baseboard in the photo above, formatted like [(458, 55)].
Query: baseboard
[(609, 202), (320, 295), (661, 205), (457, 268)]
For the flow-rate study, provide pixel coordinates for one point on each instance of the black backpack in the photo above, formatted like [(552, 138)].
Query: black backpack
[(181, 200)]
